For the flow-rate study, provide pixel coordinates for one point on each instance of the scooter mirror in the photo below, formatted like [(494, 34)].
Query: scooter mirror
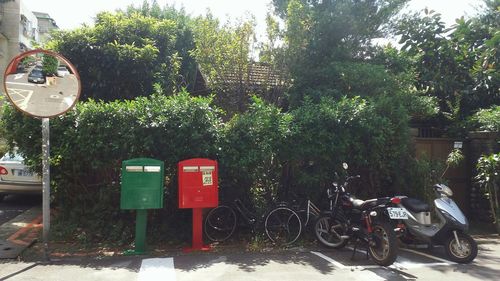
[(345, 166)]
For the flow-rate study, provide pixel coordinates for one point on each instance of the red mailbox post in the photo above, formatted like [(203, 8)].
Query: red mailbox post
[(198, 189)]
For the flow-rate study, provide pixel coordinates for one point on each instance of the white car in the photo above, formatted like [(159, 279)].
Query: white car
[(62, 71), (15, 177)]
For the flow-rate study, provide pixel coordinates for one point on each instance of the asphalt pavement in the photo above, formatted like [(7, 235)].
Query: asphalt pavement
[(292, 264), (228, 263), (14, 205), (42, 99)]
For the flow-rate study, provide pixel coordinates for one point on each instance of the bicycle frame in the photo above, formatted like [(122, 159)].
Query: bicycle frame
[(249, 217), (311, 210)]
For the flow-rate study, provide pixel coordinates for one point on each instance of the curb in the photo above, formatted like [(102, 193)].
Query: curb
[(28, 234), (8, 229)]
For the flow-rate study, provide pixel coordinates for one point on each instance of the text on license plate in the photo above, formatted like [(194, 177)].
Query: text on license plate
[(22, 173), (397, 213)]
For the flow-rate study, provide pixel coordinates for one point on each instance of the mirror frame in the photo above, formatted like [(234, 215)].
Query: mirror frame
[(17, 58)]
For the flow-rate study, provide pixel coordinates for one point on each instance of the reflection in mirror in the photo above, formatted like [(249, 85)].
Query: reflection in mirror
[(42, 83)]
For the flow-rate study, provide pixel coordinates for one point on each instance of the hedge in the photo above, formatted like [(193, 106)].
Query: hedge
[(264, 154)]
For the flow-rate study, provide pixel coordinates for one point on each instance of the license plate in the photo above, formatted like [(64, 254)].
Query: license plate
[(22, 173), (397, 213)]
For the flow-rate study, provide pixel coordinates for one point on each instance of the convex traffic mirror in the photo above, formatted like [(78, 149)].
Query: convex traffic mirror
[(42, 83)]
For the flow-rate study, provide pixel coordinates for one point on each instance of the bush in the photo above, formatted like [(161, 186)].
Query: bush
[(488, 167), (252, 153), (371, 136), (264, 154), (268, 155), (89, 143)]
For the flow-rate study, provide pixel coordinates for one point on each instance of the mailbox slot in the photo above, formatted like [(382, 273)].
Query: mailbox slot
[(133, 168), (152, 169), (190, 169)]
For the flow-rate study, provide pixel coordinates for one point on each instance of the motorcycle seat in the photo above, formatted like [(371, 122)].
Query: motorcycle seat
[(415, 205), (364, 204), (357, 203)]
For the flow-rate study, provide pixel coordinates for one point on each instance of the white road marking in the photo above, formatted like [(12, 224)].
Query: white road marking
[(428, 256), (17, 83), (24, 104), (402, 263), (68, 101), (360, 275), (18, 76), (157, 269), (20, 97), (330, 260)]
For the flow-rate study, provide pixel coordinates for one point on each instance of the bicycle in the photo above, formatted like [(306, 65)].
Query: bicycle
[(282, 225), (307, 211)]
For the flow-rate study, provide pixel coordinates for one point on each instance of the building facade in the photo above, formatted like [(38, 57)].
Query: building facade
[(45, 25), (20, 30)]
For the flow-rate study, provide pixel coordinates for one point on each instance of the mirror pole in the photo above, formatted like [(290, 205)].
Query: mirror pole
[(46, 181)]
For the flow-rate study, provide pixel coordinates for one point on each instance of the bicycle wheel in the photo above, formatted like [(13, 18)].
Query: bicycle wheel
[(283, 226), (220, 223)]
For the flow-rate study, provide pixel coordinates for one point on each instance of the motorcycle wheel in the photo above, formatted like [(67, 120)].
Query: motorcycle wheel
[(329, 232), (465, 253), (384, 246)]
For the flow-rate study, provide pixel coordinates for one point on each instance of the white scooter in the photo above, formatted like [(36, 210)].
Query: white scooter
[(450, 231)]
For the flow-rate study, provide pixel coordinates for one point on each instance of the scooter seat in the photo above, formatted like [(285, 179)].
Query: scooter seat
[(415, 205)]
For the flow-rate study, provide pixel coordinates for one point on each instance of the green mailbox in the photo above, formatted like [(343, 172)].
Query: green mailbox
[(142, 189), (142, 184)]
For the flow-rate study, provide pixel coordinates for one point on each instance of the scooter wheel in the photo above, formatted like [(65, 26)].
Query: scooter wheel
[(463, 253)]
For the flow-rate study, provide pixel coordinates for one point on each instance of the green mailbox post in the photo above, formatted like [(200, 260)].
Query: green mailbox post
[(141, 189)]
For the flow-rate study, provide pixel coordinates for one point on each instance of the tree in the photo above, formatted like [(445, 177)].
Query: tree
[(184, 42), (123, 55), (50, 64), (457, 66), (223, 54), (323, 38)]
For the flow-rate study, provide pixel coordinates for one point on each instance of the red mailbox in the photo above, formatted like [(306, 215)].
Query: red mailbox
[(198, 183), (198, 188)]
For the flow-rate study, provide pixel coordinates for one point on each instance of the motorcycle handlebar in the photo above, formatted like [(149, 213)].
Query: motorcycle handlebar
[(353, 177), (336, 185)]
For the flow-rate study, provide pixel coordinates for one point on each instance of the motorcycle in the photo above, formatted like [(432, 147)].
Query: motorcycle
[(354, 219), (450, 230)]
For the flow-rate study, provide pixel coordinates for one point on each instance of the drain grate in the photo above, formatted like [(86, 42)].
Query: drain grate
[(9, 250)]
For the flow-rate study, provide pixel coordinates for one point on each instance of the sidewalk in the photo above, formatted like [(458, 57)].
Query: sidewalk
[(20, 232)]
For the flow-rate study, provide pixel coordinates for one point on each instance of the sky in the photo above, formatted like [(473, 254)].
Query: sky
[(72, 14)]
